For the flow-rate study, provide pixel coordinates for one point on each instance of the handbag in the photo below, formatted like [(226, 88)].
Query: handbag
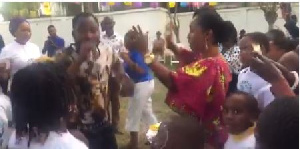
[(127, 87)]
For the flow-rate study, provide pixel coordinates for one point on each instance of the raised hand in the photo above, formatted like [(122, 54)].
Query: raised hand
[(86, 49), (264, 67), (141, 39)]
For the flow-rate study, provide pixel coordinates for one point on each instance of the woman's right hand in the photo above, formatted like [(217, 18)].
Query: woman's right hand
[(264, 67)]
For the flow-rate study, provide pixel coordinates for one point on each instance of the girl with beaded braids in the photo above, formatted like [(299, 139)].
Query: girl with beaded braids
[(40, 109)]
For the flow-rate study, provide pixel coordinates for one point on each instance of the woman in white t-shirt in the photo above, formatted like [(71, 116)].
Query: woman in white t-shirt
[(41, 109), (20, 52)]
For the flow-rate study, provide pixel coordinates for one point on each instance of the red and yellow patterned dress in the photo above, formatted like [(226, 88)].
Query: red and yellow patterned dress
[(199, 89)]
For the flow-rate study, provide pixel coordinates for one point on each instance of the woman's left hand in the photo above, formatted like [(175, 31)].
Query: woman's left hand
[(141, 39)]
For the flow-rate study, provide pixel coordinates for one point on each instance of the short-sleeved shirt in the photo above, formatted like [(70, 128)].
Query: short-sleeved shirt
[(90, 87), (199, 89), (137, 58), (253, 84)]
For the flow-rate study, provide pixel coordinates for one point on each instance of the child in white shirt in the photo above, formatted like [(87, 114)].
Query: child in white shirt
[(240, 114), (248, 81)]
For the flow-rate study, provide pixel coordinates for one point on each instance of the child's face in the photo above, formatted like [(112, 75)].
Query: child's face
[(236, 116), (246, 48), (86, 29)]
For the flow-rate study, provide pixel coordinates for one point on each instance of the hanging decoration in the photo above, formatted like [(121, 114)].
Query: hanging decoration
[(212, 3), (117, 3), (111, 3), (45, 8), (183, 4), (154, 4), (138, 4), (172, 4), (103, 4), (128, 3), (196, 4)]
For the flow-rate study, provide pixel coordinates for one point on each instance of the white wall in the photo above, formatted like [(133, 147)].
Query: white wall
[(250, 18), (151, 20)]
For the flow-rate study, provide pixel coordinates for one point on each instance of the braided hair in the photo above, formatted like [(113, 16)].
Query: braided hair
[(38, 98)]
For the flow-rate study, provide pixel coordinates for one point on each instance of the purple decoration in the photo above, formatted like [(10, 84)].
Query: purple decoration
[(154, 4), (137, 4), (117, 4)]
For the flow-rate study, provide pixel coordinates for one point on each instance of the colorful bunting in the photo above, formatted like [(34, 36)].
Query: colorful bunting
[(111, 3), (128, 3), (103, 3), (154, 4), (117, 3), (183, 4), (212, 3), (196, 4), (138, 4), (172, 4)]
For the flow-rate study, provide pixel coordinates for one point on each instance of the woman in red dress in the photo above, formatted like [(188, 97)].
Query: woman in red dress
[(199, 87)]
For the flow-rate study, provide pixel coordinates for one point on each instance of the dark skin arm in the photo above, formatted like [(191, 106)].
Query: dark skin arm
[(169, 40), (132, 65), (264, 67), (162, 73)]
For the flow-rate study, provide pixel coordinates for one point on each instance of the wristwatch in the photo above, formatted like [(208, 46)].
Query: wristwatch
[(149, 58)]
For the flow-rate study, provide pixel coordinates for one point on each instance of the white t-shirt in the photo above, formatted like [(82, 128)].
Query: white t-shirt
[(253, 84), (54, 141), (5, 117), (19, 56), (246, 143)]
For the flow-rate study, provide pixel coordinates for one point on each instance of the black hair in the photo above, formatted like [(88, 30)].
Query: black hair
[(261, 39), (50, 26), (158, 33), (278, 124), (242, 31), (107, 18), (83, 15), (294, 17), (208, 18), (251, 103), (38, 98), (279, 39), (230, 32)]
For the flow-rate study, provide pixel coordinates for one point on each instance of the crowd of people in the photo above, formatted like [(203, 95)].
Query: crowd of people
[(229, 91)]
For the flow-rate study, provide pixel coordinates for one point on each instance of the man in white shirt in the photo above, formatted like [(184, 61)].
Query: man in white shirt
[(115, 41)]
